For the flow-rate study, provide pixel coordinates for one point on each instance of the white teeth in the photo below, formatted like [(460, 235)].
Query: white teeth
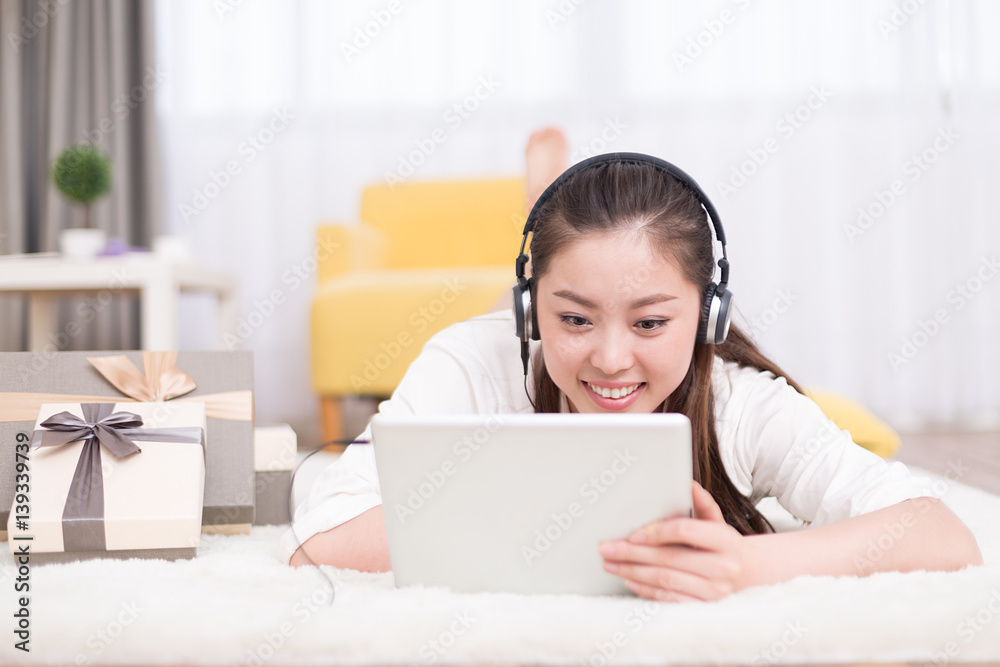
[(613, 393)]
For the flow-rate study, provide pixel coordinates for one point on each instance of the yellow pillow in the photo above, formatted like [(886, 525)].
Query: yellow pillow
[(866, 429)]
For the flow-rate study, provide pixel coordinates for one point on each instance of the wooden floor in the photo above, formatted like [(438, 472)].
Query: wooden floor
[(969, 458)]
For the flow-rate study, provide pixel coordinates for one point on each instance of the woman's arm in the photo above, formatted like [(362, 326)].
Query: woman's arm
[(683, 559), (358, 544), (916, 534)]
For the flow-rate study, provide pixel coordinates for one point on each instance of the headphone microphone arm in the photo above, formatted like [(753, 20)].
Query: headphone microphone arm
[(522, 259)]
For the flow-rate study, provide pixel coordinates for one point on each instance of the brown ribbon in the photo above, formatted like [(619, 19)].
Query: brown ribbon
[(83, 513), (161, 381)]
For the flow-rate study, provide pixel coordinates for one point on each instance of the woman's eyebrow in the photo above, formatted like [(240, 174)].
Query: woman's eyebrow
[(638, 303), (572, 296), (651, 299)]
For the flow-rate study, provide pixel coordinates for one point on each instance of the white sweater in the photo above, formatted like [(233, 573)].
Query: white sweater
[(773, 440)]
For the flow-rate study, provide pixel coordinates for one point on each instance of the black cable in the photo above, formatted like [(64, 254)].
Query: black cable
[(291, 492), (527, 394)]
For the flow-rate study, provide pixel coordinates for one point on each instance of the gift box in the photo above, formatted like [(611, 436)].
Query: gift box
[(275, 452), (222, 380), (120, 480)]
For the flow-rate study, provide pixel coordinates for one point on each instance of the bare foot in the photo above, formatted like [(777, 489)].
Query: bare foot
[(545, 159)]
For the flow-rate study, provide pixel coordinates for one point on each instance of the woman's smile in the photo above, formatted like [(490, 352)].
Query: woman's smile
[(614, 395)]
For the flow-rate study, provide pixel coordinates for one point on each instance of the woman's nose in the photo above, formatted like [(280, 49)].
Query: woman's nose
[(612, 354)]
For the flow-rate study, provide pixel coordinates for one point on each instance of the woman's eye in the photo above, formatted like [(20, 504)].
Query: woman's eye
[(573, 320), (651, 325)]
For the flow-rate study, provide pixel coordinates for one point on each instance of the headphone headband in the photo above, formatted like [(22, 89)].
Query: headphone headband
[(634, 158)]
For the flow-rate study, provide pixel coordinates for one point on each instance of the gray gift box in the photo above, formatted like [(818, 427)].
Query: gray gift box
[(272, 497), (275, 447), (224, 378)]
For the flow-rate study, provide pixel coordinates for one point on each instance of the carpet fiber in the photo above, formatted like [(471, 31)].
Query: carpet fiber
[(237, 604)]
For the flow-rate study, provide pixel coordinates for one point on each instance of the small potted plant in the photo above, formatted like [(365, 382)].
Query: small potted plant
[(82, 174)]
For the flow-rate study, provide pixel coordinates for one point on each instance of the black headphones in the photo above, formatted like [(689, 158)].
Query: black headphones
[(715, 313)]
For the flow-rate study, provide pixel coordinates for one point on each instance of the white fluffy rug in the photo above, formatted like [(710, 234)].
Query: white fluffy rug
[(237, 604)]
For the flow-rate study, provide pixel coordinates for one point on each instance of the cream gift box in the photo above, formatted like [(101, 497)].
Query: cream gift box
[(133, 486), (275, 451), (222, 380)]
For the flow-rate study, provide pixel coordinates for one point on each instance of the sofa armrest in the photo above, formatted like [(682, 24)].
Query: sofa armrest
[(342, 248)]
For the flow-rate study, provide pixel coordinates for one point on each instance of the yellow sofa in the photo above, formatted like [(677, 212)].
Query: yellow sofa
[(425, 255)]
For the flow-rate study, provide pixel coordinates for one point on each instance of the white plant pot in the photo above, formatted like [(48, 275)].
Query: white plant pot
[(82, 243)]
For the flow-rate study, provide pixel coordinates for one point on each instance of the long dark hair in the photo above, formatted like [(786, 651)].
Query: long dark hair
[(636, 197)]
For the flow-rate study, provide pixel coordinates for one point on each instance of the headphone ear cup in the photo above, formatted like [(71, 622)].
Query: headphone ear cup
[(714, 325), (525, 321), (519, 319), (725, 299), (522, 326), (706, 314)]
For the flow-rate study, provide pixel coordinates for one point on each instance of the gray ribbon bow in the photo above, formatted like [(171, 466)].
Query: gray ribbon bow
[(83, 514)]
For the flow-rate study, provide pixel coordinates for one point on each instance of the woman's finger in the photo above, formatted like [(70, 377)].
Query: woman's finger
[(705, 506), (707, 564), (686, 531), (669, 584)]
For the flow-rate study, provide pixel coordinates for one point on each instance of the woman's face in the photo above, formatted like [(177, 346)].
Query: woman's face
[(618, 324)]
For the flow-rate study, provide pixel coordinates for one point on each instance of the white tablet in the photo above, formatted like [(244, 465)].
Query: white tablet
[(521, 502)]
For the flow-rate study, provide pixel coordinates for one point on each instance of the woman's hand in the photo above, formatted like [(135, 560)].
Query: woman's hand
[(681, 559)]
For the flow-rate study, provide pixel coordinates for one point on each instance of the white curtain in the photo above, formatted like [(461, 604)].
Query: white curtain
[(850, 147)]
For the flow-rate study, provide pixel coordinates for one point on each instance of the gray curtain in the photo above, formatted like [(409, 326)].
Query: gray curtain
[(75, 71)]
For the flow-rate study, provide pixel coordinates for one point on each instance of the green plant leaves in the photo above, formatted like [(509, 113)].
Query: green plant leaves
[(82, 173)]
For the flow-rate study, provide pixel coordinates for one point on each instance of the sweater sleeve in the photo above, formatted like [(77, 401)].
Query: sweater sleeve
[(443, 379), (796, 454)]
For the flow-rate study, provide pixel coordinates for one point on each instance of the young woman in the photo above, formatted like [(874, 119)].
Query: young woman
[(621, 258)]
